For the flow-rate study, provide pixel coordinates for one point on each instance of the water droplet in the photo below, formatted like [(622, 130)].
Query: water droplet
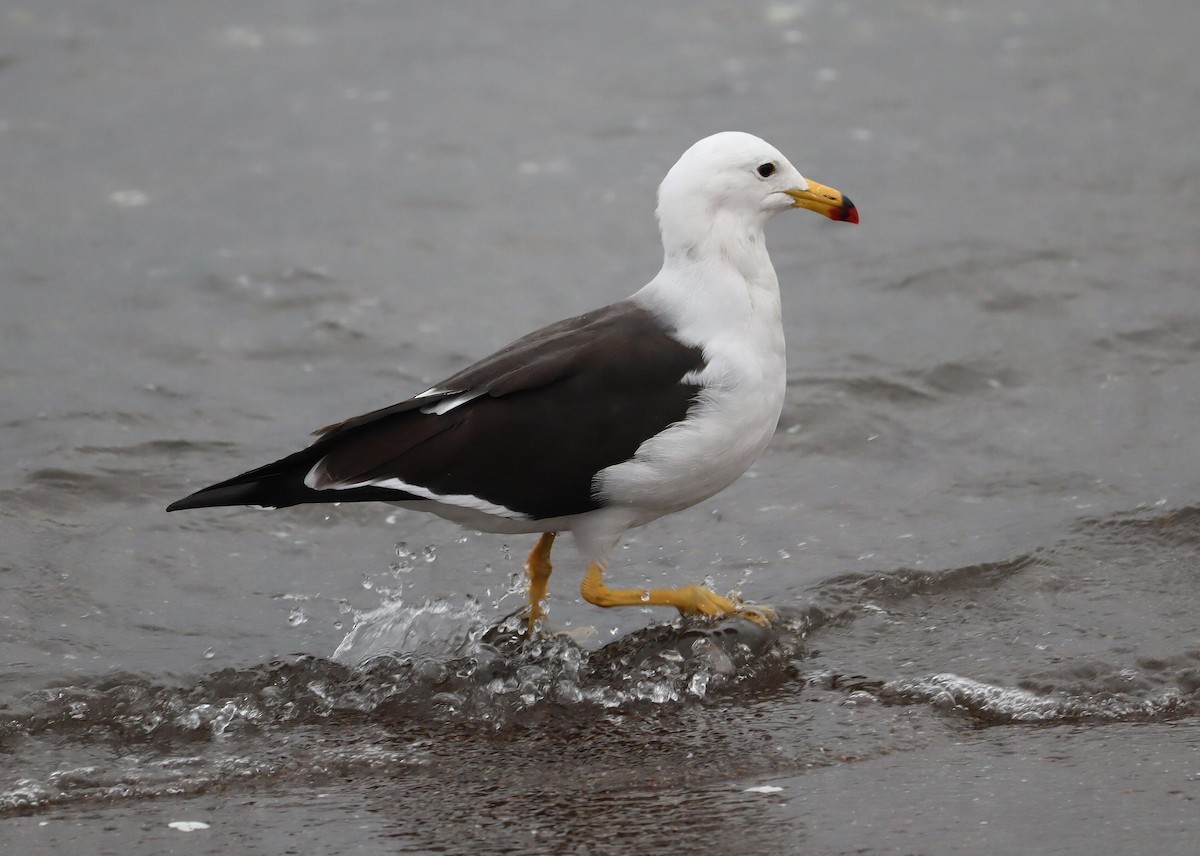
[(645, 596), (209, 653), (404, 559), (224, 718), (344, 606), (429, 553), (367, 582), (297, 616)]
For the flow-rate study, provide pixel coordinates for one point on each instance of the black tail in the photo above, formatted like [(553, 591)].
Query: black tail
[(271, 493), (280, 485)]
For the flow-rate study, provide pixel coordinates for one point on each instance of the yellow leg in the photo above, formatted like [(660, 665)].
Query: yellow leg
[(538, 569), (689, 600)]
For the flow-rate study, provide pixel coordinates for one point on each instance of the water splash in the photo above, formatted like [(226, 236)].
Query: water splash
[(406, 674), (404, 558), (435, 663), (434, 630), (418, 670)]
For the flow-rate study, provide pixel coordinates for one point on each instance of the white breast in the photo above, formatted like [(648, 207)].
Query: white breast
[(742, 394)]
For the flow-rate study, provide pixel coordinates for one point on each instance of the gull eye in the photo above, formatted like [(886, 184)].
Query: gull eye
[(766, 170)]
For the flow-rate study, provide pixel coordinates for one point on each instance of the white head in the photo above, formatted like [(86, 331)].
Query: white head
[(738, 180)]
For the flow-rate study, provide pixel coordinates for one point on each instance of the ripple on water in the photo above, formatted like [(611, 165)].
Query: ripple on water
[(996, 705), (1097, 628)]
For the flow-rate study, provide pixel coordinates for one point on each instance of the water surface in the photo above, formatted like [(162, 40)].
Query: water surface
[(225, 226)]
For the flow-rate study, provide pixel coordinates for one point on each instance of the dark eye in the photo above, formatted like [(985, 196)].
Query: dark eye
[(766, 169)]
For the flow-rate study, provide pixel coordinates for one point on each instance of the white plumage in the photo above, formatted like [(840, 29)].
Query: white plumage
[(717, 290)]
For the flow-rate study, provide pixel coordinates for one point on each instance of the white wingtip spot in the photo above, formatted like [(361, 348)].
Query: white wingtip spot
[(447, 404)]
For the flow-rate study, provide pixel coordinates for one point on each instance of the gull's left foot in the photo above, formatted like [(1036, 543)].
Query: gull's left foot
[(689, 600), (698, 600)]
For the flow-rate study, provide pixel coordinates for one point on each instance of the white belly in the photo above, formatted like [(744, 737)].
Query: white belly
[(724, 433)]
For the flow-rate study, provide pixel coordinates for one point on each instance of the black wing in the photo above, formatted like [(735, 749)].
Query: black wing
[(552, 410)]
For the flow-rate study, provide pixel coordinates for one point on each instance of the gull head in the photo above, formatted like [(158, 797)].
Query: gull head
[(737, 175)]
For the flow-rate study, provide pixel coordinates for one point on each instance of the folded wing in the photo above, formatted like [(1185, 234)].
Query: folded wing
[(522, 432)]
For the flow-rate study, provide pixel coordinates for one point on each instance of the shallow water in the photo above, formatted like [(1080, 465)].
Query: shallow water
[(980, 519)]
